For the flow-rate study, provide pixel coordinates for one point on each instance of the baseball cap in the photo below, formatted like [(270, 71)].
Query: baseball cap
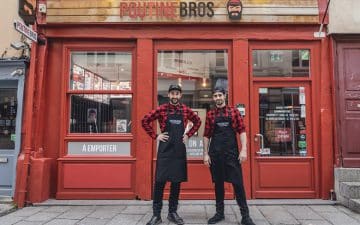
[(218, 89), (234, 2), (173, 87)]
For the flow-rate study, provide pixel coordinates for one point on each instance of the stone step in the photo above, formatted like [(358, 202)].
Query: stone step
[(347, 174), (350, 190), (354, 204)]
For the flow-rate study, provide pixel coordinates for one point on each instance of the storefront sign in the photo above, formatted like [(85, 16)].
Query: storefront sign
[(194, 147), (181, 11), (99, 148)]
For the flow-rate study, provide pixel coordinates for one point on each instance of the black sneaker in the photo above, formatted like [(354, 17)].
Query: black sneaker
[(155, 220), (216, 218), (175, 218), (247, 221)]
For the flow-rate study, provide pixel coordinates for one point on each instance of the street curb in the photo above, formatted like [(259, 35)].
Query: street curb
[(54, 202)]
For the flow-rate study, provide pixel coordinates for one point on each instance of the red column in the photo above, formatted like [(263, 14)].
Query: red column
[(143, 99), (241, 92), (326, 121)]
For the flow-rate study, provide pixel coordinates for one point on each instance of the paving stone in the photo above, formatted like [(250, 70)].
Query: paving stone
[(77, 213), (61, 222), (231, 219), (211, 209), (339, 218), (192, 209), (59, 209), (261, 222), (111, 208), (255, 213), (324, 208), (134, 209), (28, 223), (42, 216), (349, 212), (302, 212), (93, 221), (10, 219), (191, 218), (277, 215), (126, 219), (28, 211), (314, 222), (104, 213)]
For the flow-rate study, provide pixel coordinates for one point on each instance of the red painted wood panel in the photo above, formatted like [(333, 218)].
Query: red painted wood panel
[(285, 175), (97, 175)]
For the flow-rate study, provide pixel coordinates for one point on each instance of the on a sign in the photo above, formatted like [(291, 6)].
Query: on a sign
[(25, 30)]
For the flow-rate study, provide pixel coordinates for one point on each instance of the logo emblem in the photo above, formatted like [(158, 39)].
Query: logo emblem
[(234, 9)]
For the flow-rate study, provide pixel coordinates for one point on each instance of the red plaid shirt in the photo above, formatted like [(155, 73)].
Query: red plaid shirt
[(236, 120), (160, 114)]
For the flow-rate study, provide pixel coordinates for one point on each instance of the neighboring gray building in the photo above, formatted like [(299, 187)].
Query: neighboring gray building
[(13, 65)]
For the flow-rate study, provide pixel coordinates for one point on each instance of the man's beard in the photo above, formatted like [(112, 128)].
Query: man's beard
[(219, 102), (174, 101), (235, 15)]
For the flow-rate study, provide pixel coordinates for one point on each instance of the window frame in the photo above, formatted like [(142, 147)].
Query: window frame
[(97, 47)]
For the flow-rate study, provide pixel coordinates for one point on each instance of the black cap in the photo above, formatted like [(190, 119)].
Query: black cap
[(173, 87), (219, 89)]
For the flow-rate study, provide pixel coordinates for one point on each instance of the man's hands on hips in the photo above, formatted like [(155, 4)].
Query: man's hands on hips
[(243, 155), (163, 137), (185, 138)]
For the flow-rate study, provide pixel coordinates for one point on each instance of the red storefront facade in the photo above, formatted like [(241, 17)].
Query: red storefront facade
[(279, 71)]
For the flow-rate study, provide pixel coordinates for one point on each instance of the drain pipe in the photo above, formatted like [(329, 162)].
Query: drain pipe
[(28, 148)]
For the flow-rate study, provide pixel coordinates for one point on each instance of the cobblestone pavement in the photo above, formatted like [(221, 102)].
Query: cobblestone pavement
[(191, 211)]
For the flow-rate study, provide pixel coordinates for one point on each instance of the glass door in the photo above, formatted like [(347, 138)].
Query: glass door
[(284, 161), (198, 68), (8, 134)]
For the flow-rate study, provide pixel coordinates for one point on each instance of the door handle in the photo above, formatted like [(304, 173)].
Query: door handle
[(261, 137)]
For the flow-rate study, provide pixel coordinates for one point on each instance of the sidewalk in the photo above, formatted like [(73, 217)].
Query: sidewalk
[(132, 212)]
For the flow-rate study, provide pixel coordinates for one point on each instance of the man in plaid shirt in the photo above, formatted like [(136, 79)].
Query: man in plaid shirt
[(171, 156), (223, 157)]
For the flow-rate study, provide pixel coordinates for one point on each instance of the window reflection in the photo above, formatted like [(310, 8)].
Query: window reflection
[(282, 120), (198, 72), (106, 111), (281, 63), (100, 71)]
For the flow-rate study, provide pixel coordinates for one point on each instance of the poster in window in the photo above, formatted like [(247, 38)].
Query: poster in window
[(106, 86), (121, 125), (89, 80), (78, 78)]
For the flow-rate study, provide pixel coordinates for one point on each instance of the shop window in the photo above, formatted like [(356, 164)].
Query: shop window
[(281, 63), (198, 72), (100, 113), (100, 71), (282, 121), (100, 92), (8, 106)]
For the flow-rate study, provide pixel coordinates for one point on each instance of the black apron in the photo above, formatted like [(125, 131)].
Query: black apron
[(223, 152), (171, 156)]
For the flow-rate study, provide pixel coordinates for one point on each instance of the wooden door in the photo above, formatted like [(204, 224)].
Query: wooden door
[(348, 103)]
